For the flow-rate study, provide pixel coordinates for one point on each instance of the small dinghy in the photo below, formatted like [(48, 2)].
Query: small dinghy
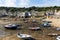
[(34, 28), (23, 36), (53, 34)]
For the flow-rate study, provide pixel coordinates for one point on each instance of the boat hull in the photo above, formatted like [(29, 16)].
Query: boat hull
[(11, 27)]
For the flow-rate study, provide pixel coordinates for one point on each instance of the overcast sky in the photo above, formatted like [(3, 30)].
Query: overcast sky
[(29, 3)]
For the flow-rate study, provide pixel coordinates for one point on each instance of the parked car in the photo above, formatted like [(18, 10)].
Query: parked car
[(23, 36), (34, 28), (58, 38)]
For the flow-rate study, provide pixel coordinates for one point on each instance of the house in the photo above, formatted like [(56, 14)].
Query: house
[(53, 14), (37, 13), (57, 14), (10, 14), (49, 14), (21, 14), (27, 14), (24, 14), (34, 13), (3, 13)]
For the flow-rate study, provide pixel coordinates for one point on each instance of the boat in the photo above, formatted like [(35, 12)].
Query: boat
[(58, 29), (23, 36), (34, 28), (11, 26), (53, 34), (46, 25), (58, 38)]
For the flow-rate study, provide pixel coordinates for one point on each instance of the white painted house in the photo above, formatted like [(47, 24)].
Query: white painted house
[(21, 14), (52, 14)]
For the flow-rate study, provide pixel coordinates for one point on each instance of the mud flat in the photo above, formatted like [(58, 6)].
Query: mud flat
[(38, 35), (55, 22)]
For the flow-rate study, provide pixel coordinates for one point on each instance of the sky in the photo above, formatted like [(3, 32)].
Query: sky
[(29, 3)]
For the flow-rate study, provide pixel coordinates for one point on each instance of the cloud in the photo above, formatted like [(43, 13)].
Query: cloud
[(45, 3), (24, 3), (8, 3), (1, 2), (14, 3), (51, 3)]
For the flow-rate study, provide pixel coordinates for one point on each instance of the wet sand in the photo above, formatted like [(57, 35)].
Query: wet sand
[(55, 22), (38, 35)]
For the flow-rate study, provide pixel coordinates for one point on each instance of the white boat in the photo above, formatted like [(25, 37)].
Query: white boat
[(53, 34), (23, 36), (58, 38)]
